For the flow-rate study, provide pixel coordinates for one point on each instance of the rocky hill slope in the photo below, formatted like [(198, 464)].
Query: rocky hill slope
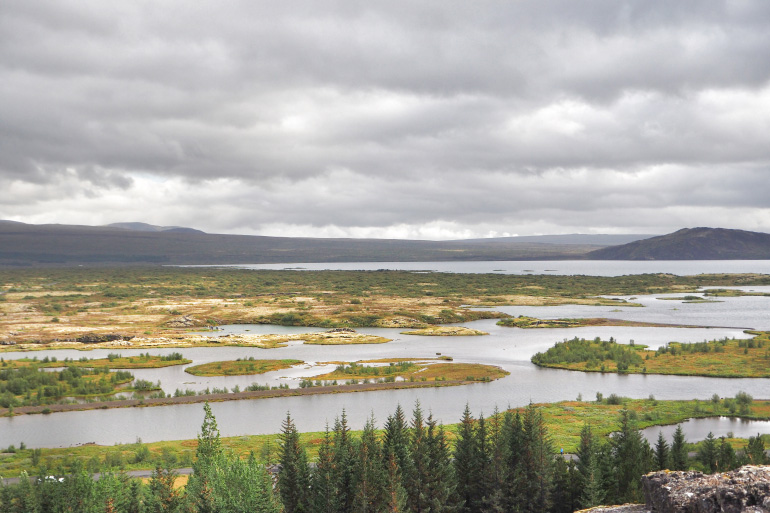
[(692, 244)]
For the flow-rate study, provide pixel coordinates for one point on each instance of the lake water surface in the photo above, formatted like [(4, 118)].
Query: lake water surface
[(563, 267), (509, 348)]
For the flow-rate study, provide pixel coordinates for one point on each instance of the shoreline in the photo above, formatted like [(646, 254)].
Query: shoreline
[(232, 396)]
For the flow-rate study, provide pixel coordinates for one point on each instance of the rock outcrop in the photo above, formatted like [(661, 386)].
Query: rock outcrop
[(95, 338), (744, 490), (186, 321)]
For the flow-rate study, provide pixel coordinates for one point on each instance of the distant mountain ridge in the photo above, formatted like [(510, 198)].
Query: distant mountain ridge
[(692, 244), (144, 227), (599, 239), (139, 243)]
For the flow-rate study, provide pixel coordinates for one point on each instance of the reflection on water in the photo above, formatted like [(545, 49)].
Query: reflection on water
[(698, 429)]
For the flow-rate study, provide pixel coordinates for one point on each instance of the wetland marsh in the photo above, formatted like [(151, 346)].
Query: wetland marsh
[(149, 304)]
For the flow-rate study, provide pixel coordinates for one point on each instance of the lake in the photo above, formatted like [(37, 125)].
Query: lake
[(563, 267), (510, 348)]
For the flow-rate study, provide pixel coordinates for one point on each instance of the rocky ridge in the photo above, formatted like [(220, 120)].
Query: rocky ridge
[(746, 489)]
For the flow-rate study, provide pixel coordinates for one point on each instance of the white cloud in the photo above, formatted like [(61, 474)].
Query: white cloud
[(417, 120)]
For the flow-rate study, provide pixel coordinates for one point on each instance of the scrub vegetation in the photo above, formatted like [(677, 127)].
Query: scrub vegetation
[(416, 371), (157, 306), (533, 322), (726, 358), (445, 331), (29, 385), (240, 367)]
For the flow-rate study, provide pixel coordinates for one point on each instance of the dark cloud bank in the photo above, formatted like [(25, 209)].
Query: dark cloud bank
[(400, 119)]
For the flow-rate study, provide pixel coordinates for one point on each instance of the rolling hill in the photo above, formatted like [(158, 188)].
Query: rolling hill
[(692, 244), (135, 243)]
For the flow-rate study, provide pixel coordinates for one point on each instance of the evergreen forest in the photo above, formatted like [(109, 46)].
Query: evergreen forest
[(503, 463)]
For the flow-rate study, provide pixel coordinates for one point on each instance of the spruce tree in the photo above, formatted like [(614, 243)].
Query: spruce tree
[(466, 463), (294, 476), (344, 463), (484, 485), (323, 492), (224, 482), (493, 500), (755, 451), (199, 491), (588, 473), (395, 494), (513, 437), (370, 479), (163, 497), (536, 462), (662, 453), (243, 486), (708, 453), (593, 491), (678, 450), (632, 458), (725, 456), (396, 443), (562, 500), (417, 493), (441, 479)]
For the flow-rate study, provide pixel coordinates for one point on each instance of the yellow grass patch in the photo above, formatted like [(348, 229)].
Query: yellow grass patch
[(445, 331)]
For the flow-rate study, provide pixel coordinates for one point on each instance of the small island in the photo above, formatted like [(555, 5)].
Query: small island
[(342, 336), (240, 367), (446, 331), (414, 371), (525, 322), (724, 358)]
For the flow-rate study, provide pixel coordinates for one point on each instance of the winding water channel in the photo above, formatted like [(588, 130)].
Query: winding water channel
[(510, 348)]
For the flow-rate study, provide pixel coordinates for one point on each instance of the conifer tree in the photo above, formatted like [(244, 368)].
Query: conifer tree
[(662, 453), (466, 463), (513, 437), (632, 454), (726, 456), (344, 463), (678, 450), (77, 490), (294, 477), (562, 500), (417, 492), (536, 462), (588, 471), (199, 490), (243, 486), (593, 490), (484, 484), (493, 500), (323, 496), (441, 479), (755, 451), (163, 498), (370, 478), (221, 482), (395, 494), (708, 453), (396, 442), (135, 497)]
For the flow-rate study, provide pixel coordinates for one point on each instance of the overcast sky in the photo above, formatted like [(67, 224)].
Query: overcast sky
[(401, 118)]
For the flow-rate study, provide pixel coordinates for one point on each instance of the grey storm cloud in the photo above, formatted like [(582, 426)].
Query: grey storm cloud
[(352, 118)]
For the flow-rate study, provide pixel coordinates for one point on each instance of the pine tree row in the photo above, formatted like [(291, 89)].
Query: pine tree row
[(504, 463)]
